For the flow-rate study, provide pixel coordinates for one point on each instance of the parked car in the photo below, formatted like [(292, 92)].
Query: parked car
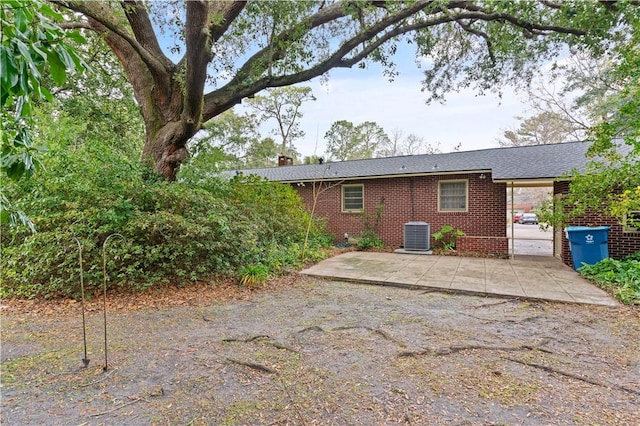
[(528, 218), (516, 217)]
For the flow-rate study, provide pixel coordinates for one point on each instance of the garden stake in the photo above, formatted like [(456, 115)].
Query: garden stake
[(104, 294), (85, 360)]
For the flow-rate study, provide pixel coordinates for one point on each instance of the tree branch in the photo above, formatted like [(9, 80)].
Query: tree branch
[(467, 27), (539, 29), (75, 25), (104, 14), (261, 60), (241, 85), (198, 55), (551, 4), (138, 18), (223, 14)]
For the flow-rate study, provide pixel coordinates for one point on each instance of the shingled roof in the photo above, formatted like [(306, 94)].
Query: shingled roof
[(538, 162)]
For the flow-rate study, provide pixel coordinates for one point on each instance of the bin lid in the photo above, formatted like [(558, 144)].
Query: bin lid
[(586, 228)]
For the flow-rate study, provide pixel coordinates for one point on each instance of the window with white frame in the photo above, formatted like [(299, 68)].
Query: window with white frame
[(452, 195), (352, 198)]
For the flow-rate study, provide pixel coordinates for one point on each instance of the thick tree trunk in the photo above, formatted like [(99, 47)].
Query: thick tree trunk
[(165, 147)]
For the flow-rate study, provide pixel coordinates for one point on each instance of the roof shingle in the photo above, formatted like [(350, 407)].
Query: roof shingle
[(505, 164)]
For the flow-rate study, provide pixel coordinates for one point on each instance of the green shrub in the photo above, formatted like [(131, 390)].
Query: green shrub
[(253, 275), (369, 239), (371, 225), (621, 277), (446, 237), (173, 232)]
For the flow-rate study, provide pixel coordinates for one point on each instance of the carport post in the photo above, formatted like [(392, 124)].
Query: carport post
[(513, 240)]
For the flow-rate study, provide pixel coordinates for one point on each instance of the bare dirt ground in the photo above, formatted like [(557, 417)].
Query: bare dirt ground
[(311, 352)]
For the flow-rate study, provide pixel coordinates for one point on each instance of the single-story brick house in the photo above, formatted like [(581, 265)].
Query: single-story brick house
[(467, 190)]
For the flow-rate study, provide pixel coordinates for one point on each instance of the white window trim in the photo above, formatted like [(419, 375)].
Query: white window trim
[(466, 189), (627, 228), (360, 185)]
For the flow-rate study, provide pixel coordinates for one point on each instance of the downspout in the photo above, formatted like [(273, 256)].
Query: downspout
[(413, 209), (513, 236)]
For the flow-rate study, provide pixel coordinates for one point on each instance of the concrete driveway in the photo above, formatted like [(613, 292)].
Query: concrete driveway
[(532, 277), (531, 240)]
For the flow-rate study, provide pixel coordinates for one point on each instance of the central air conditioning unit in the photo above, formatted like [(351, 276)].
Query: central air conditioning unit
[(416, 236)]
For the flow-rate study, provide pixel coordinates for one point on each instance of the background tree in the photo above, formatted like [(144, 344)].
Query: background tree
[(312, 159), (544, 128), (370, 136), (340, 140), (283, 105), (230, 141), (397, 144), (285, 43), (229, 134), (611, 183), (262, 153), (345, 141)]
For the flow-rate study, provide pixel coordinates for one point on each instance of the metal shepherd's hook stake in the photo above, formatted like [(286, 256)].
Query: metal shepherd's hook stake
[(85, 360), (104, 293)]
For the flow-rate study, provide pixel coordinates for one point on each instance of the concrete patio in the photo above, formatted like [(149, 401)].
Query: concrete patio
[(530, 277)]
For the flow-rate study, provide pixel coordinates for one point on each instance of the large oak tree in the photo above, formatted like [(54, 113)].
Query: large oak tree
[(232, 50)]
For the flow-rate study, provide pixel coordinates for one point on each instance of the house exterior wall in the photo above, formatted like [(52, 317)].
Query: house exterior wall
[(407, 199), (621, 243)]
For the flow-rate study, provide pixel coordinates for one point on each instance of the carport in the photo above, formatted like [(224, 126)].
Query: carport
[(530, 240)]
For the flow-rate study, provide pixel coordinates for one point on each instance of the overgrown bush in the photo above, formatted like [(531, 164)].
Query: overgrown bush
[(173, 232), (620, 277)]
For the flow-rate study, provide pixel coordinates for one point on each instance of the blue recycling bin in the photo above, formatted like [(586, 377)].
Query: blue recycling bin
[(588, 244)]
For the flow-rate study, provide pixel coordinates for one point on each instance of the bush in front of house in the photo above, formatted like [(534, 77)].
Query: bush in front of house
[(175, 232)]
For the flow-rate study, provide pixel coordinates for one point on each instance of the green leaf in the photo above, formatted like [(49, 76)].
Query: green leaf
[(8, 71), (65, 57), (21, 18), (57, 68), (47, 11), (45, 93), (76, 36)]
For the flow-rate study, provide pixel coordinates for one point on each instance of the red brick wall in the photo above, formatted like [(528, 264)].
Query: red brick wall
[(409, 199), (487, 245), (621, 243)]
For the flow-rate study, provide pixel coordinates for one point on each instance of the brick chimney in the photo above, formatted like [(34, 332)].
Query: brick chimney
[(283, 160)]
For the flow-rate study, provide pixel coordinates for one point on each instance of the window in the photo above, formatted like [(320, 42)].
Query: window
[(632, 222), (452, 196), (352, 198)]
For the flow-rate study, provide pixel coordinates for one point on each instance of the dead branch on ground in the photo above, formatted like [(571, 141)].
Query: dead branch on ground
[(312, 328), (448, 350), (532, 318), (252, 365), (549, 369), (105, 377), (373, 330), (261, 338), (494, 304)]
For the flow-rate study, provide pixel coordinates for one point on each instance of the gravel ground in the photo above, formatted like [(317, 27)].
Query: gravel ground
[(313, 352)]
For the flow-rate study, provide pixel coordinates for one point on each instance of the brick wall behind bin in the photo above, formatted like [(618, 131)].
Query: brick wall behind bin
[(408, 199), (621, 243)]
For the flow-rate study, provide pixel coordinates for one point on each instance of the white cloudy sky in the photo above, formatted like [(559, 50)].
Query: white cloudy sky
[(358, 96)]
